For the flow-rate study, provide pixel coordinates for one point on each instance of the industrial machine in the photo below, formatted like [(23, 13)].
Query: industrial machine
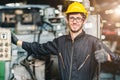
[(29, 23)]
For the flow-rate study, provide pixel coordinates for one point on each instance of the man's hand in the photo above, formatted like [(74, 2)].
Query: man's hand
[(14, 39), (102, 56)]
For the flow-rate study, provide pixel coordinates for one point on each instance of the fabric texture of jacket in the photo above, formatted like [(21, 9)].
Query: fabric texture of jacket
[(76, 59)]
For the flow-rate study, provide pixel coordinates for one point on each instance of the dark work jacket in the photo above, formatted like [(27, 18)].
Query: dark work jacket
[(76, 59)]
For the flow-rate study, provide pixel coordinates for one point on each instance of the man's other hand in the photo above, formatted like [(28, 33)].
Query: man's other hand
[(102, 56)]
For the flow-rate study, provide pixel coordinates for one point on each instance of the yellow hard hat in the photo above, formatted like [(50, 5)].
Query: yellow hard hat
[(76, 7)]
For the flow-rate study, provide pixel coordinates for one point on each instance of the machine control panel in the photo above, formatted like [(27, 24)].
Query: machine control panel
[(5, 44)]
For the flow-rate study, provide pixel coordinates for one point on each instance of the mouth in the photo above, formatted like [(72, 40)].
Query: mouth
[(74, 26)]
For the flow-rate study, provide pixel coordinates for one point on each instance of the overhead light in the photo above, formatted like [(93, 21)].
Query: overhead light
[(117, 10), (103, 36), (104, 21), (109, 11), (117, 24), (109, 24)]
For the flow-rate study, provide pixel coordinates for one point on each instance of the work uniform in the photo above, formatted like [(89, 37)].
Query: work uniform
[(76, 59)]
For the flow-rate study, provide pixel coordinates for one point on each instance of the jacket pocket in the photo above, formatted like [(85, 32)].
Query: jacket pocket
[(83, 62), (61, 57)]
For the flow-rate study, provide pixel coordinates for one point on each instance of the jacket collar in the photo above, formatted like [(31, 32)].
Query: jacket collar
[(80, 35)]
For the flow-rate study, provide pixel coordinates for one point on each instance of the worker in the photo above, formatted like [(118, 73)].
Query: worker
[(78, 53)]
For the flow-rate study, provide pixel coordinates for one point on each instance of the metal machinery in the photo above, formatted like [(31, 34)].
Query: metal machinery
[(5, 49), (29, 23), (39, 23), (21, 20)]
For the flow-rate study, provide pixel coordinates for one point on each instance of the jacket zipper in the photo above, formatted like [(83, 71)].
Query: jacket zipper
[(83, 62), (62, 60), (71, 61)]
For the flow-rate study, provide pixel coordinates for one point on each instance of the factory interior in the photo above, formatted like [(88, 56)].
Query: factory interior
[(42, 21)]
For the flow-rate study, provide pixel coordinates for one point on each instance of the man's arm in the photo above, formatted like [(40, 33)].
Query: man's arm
[(36, 48), (104, 54)]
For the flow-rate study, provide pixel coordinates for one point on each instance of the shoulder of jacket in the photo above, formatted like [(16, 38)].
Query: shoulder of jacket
[(91, 37), (61, 37)]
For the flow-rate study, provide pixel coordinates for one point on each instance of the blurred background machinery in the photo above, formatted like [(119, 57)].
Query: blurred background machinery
[(42, 21)]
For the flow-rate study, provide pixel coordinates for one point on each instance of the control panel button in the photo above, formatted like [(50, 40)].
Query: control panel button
[(5, 48), (3, 36)]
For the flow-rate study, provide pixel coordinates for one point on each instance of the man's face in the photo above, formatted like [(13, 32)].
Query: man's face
[(75, 22)]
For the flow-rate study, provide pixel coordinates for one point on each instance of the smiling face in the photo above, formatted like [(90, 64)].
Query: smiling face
[(75, 22)]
